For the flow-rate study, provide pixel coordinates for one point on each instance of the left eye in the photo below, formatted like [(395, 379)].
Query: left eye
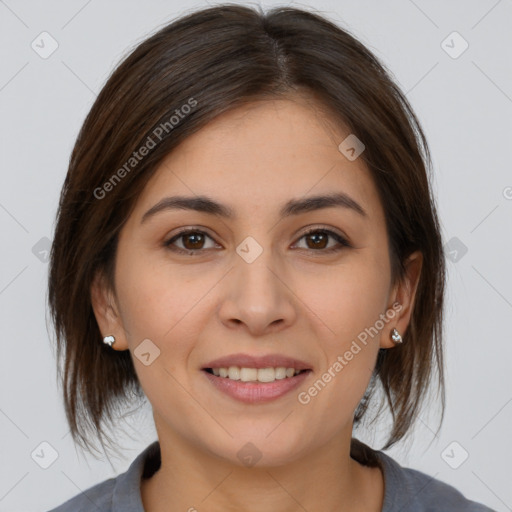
[(320, 237), (194, 240)]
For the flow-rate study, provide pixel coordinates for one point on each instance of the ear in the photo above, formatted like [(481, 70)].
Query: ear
[(106, 312), (404, 293)]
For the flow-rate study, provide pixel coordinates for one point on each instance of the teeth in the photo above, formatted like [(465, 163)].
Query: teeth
[(280, 372), (290, 372), (267, 375), (234, 373), (248, 374), (255, 374)]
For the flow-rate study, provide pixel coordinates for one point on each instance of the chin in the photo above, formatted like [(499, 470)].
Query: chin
[(254, 447)]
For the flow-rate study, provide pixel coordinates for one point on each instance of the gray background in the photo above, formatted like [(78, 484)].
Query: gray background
[(465, 107)]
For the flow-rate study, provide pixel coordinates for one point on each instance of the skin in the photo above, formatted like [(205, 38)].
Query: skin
[(293, 299)]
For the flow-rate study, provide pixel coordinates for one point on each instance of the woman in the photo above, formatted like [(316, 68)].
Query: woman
[(247, 237)]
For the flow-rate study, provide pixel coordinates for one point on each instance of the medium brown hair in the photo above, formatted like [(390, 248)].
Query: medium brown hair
[(217, 59)]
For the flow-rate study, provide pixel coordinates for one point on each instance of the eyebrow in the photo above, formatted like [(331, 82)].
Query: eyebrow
[(205, 204)]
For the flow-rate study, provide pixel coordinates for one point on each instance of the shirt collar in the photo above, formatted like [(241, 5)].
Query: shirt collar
[(126, 495)]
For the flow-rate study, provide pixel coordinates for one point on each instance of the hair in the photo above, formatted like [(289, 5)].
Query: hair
[(214, 60)]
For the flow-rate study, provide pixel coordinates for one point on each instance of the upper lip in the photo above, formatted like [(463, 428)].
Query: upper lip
[(266, 361)]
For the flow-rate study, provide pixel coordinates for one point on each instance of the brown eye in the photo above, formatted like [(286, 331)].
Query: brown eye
[(191, 241), (318, 240)]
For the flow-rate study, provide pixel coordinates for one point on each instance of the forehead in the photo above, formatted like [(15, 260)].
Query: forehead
[(260, 155)]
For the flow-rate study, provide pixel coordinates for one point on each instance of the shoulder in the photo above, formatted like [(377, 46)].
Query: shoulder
[(412, 490), (97, 498), (119, 494)]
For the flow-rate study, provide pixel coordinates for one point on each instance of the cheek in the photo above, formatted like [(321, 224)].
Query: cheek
[(347, 306), (155, 298), (169, 308), (346, 301), (161, 305)]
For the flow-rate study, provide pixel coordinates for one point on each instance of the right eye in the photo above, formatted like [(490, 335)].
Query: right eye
[(192, 241)]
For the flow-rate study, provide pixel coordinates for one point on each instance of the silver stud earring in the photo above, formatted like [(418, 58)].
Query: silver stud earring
[(109, 340), (395, 336)]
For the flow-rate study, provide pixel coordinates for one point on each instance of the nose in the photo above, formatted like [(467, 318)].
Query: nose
[(258, 295)]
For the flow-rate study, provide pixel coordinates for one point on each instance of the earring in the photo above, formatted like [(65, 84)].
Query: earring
[(109, 340), (395, 336)]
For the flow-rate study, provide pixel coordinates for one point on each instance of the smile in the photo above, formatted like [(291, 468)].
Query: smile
[(255, 374)]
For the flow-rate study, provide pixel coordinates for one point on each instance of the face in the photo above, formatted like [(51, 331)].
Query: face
[(303, 286)]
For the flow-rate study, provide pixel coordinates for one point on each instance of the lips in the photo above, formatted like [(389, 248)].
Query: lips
[(266, 361), (247, 385), (256, 392)]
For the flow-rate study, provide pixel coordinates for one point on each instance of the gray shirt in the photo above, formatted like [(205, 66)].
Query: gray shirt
[(406, 490)]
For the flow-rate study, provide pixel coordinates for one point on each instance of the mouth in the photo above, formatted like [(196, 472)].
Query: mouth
[(254, 380)]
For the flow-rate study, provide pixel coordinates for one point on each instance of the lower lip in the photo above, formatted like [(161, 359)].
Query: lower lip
[(256, 392)]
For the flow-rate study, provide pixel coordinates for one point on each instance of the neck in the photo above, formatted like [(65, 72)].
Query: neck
[(189, 479)]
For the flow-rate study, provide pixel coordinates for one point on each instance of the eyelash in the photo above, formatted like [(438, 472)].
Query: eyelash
[(343, 243)]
